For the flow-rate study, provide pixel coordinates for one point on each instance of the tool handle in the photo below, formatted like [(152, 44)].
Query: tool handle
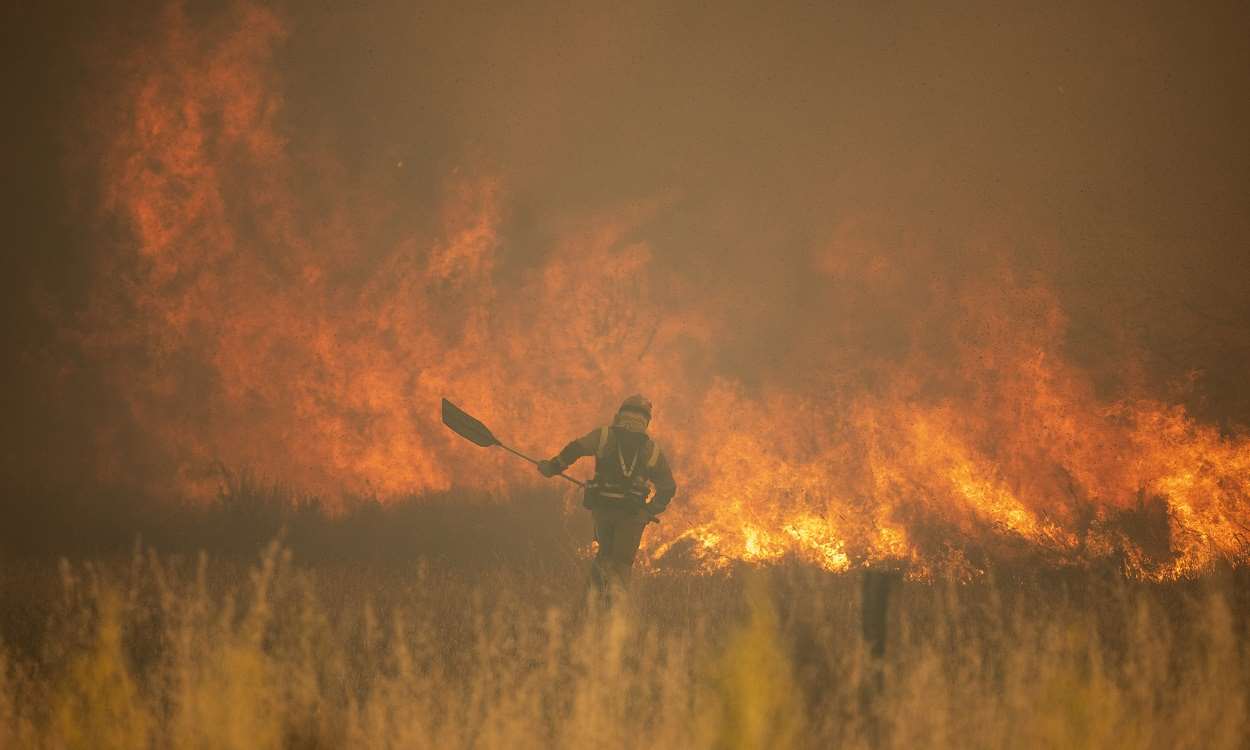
[(516, 452)]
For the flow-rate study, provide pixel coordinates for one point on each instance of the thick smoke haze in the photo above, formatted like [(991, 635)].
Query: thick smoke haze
[(895, 275)]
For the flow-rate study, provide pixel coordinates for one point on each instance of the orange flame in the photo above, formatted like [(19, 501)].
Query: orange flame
[(254, 314)]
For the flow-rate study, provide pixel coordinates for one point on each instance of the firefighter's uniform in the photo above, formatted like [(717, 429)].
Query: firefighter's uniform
[(628, 464)]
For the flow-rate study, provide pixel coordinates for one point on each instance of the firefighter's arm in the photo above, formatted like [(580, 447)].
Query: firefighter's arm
[(665, 487), (585, 445)]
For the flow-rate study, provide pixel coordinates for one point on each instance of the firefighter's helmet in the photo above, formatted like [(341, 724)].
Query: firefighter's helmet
[(637, 403)]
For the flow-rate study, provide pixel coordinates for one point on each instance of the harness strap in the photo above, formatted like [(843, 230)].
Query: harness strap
[(620, 456), (603, 442), (652, 460)]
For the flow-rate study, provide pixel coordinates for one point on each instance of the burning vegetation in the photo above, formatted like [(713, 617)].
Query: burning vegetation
[(260, 303), (950, 303)]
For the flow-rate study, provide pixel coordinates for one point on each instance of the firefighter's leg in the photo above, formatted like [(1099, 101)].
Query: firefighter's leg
[(625, 546), (600, 567)]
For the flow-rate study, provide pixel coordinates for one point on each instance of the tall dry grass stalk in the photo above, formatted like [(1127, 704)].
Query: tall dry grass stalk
[(163, 652)]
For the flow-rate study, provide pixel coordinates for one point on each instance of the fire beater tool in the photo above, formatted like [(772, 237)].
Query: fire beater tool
[(477, 433), (471, 429)]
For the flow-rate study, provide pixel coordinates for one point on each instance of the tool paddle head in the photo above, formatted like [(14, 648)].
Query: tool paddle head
[(466, 426)]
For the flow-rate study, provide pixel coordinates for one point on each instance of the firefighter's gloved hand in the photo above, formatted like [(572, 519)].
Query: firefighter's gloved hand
[(646, 516), (548, 468)]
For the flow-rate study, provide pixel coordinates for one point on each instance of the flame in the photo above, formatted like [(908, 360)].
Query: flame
[(260, 310), (1024, 463)]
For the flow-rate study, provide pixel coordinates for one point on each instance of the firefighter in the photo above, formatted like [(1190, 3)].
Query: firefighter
[(627, 465)]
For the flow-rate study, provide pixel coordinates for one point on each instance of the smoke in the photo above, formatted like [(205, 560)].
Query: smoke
[(900, 280)]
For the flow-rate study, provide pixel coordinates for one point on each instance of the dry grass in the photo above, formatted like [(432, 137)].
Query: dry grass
[(166, 652)]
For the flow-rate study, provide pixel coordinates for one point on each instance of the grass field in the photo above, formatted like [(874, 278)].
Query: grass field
[(162, 650)]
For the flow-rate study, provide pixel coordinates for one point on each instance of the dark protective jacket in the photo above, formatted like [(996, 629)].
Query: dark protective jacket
[(623, 458)]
